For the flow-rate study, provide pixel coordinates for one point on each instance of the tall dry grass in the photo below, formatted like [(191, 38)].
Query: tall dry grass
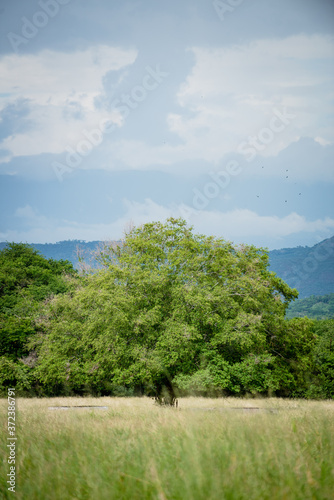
[(205, 450)]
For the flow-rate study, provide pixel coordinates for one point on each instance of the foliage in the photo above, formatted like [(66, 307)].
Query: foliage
[(322, 384), (173, 310), (14, 374), (168, 313), (27, 281)]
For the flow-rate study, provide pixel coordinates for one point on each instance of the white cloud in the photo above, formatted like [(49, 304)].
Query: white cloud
[(61, 88), (239, 225), (41, 229), (52, 131), (51, 77), (322, 141), (232, 94), (257, 69), (229, 98), (248, 224)]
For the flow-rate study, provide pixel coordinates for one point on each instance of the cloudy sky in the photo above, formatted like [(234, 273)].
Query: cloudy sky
[(115, 111)]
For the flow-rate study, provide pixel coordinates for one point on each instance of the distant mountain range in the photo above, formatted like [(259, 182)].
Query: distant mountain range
[(309, 269)]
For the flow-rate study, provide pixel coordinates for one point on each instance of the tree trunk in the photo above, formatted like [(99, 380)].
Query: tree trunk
[(165, 394)]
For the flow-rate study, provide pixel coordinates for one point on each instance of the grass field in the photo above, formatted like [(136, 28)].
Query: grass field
[(206, 449)]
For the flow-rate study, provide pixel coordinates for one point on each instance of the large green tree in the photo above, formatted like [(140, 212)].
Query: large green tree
[(172, 310)]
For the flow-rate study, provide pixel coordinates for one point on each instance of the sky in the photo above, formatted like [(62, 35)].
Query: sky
[(118, 112)]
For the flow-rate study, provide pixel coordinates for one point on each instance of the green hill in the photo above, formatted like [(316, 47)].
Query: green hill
[(314, 307)]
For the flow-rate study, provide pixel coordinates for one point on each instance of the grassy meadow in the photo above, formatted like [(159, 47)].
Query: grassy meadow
[(205, 449)]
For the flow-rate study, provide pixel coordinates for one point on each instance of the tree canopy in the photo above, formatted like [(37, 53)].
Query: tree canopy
[(175, 311), (170, 312)]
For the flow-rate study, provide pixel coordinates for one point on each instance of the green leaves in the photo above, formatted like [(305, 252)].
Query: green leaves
[(169, 310), (168, 305), (27, 281), (14, 375), (322, 385)]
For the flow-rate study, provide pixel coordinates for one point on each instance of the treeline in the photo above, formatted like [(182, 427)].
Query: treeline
[(169, 313), (317, 307)]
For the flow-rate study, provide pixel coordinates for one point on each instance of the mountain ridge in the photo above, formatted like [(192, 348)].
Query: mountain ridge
[(309, 269)]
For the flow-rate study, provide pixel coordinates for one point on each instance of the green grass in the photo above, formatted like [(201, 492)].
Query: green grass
[(136, 450)]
